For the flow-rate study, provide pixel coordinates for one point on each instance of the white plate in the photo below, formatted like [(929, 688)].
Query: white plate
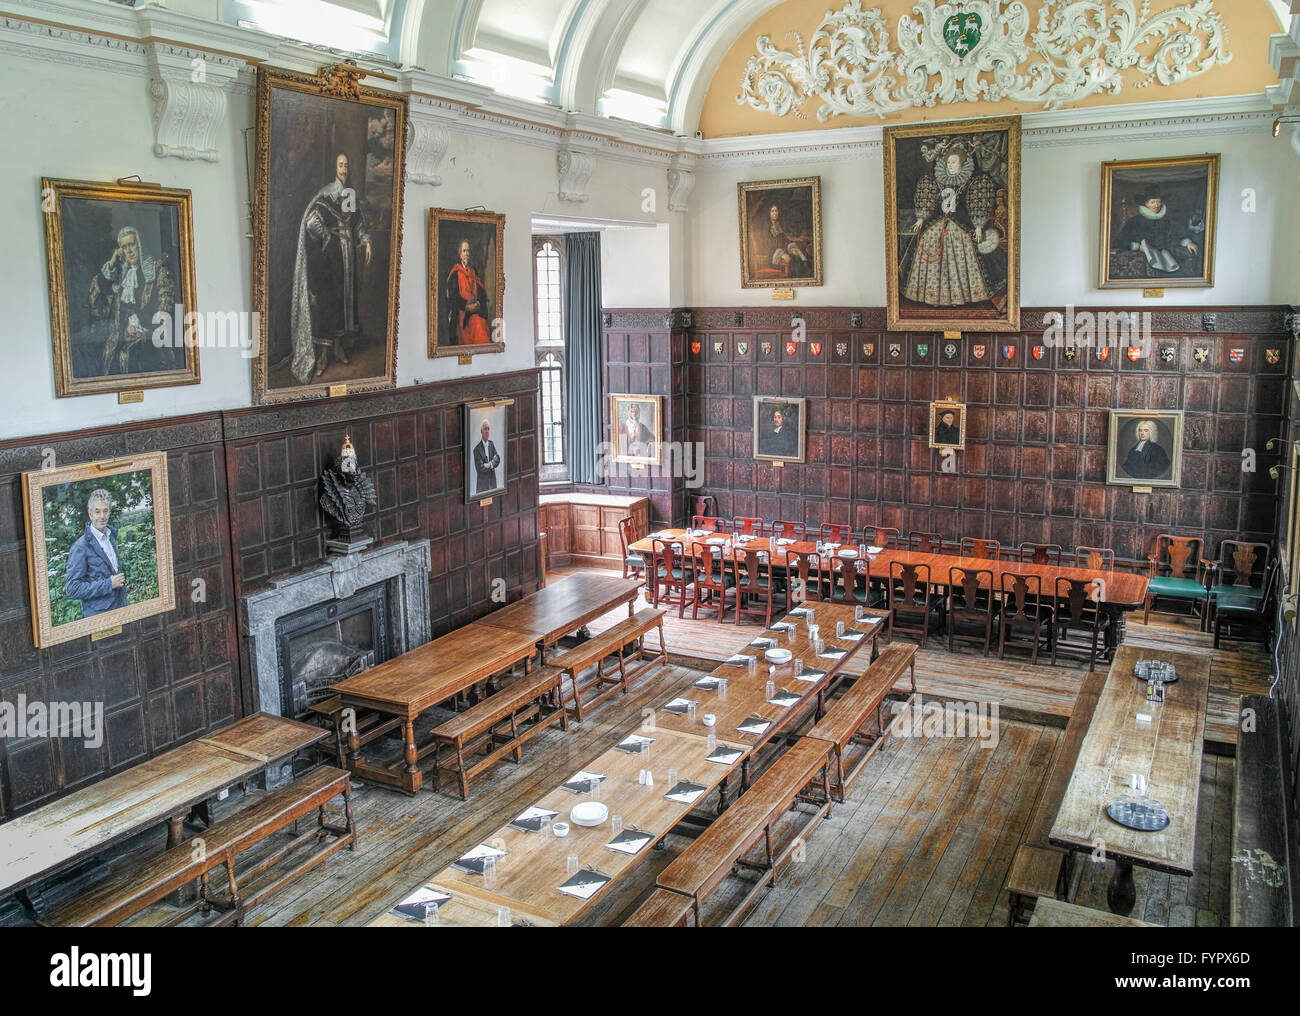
[(717, 541), (588, 813), (848, 553), (874, 550), (778, 656)]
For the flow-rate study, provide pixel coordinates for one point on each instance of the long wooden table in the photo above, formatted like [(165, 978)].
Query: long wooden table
[(565, 606), (1119, 591), (163, 789), (1166, 750), (534, 866), (420, 679)]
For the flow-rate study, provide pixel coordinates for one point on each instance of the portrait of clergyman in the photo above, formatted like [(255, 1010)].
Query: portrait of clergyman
[(467, 282), (952, 229), (1157, 222), (327, 230), (780, 233), (947, 425), (99, 546), (637, 421), (121, 270), (1145, 448), (780, 429), (486, 467)]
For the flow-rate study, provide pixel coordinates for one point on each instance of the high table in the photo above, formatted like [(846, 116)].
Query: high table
[(565, 606), (529, 875), (163, 789), (1166, 750), (407, 685)]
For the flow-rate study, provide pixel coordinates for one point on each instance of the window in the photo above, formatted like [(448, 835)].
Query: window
[(548, 265)]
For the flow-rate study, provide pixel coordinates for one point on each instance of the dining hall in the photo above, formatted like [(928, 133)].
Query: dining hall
[(642, 463)]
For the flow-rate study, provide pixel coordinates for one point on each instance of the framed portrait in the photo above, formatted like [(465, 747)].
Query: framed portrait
[(948, 425), (780, 429), (1157, 222), (1145, 448), (952, 226), (99, 549), (467, 282), (121, 272), (327, 228), (781, 233), (486, 449), (637, 423)]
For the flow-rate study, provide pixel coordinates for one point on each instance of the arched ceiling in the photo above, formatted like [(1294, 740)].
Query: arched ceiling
[(672, 64)]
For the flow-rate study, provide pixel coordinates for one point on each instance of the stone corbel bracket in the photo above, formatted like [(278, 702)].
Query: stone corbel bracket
[(574, 168), (681, 179), (426, 149), (189, 89)]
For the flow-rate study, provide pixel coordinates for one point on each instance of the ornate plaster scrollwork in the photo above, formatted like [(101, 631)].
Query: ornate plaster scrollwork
[(425, 151), (681, 179), (574, 170), (982, 50), (187, 119)]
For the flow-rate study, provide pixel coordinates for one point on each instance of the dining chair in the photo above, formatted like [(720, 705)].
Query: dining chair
[(1241, 571), (836, 532), (1023, 607), (912, 600), (1041, 553), (1094, 558), (747, 527), (632, 561), (714, 575), (1178, 572), (709, 523), (672, 569), (805, 579), (986, 550), (971, 606), (1237, 606), (850, 581), (881, 536), (1078, 610), (782, 530), (924, 543), (754, 582)]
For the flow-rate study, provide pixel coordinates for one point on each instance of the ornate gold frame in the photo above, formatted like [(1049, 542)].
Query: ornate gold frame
[(1204, 281), (1010, 321), (1175, 460), (943, 406), (656, 428), (65, 386), (437, 216), (803, 428), (747, 281), (340, 81), (34, 483)]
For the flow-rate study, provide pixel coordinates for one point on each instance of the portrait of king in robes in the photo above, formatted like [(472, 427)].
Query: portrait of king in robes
[(327, 224), (466, 282)]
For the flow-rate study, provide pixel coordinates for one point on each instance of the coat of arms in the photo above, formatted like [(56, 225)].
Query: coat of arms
[(978, 351), (1103, 352), (1134, 353), (1236, 354), (1008, 351), (1201, 353), (950, 351), (895, 349), (922, 349), (1272, 355), (790, 348), (816, 348), (767, 349), (742, 348), (1167, 354), (1038, 352), (1069, 352), (695, 348), (868, 349), (841, 349), (717, 347)]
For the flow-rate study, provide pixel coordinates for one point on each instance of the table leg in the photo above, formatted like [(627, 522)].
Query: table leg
[(412, 758), (1121, 894)]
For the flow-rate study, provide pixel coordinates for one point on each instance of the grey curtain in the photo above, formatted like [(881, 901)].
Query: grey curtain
[(584, 395)]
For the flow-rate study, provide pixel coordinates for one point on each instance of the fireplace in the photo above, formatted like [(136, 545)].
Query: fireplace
[(310, 630)]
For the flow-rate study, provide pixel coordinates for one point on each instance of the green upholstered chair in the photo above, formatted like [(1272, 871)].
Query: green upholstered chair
[(634, 564), (1241, 569), (1179, 573), (1245, 605)]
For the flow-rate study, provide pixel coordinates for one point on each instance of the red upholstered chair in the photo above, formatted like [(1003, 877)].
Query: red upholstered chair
[(970, 606), (1024, 609), (715, 577)]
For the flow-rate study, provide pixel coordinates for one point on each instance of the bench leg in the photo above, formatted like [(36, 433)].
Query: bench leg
[(464, 778), (518, 753), (577, 694), (347, 814)]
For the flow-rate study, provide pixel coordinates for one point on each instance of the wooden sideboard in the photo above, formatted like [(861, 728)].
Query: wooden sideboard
[(583, 528)]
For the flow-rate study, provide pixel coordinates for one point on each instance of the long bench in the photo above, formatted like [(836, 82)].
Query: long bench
[(663, 909), (126, 894), (705, 864), (842, 725), (613, 642), (1039, 869), (1262, 893), (1053, 913), (500, 725)]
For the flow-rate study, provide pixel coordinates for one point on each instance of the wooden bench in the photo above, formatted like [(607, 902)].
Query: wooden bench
[(1039, 869), (663, 909), (612, 643), (129, 892), (1050, 913), (843, 724), (706, 863), (493, 725), (1262, 893)]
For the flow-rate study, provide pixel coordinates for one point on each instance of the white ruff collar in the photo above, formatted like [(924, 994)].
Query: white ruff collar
[(1146, 212)]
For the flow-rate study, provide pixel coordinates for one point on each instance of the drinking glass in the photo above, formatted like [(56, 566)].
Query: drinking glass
[(839, 629), (751, 664), (489, 872), (544, 824), (431, 915), (645, 749), (503, 917), (798, 666), (571, 864), (769, 691), (593, 789), (691, 712), (789, 634), (711, 739), (722, 690), (615, 825), (858, 612), (818, 646), (672, 779)]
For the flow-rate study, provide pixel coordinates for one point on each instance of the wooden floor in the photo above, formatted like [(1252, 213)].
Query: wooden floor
[(925, 838)]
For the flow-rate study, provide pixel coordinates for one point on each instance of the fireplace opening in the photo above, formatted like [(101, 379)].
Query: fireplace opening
[(327, 642)]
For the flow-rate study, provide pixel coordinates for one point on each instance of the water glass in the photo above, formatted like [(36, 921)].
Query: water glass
[(818, 646), (789, 634), (672, 778), (722, 690), (751, 664), (593, 789), (859, 612), (431, 915), (544, 824), (839, 629), (711, 739), (814, 630), (769, 692), (691, 712), (615, 825), (503, 917), (489, 872), (798, 666), (646, 745), (571, 864)]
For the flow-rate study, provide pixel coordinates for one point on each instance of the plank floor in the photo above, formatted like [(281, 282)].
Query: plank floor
[(925, 838)]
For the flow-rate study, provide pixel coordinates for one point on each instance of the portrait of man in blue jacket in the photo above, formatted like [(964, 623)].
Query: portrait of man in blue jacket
[(95, 573)]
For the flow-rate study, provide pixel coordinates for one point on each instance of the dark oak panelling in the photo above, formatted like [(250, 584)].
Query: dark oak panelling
[(162, 681)]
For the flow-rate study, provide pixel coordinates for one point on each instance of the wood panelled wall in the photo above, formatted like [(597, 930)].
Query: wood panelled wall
[(244, 492), (1034, 468)]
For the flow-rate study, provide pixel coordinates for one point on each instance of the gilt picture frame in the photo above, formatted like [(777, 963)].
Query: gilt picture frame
[(636, 425), (467, 282), (780, 428), (1145, 448), (780, 233)]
